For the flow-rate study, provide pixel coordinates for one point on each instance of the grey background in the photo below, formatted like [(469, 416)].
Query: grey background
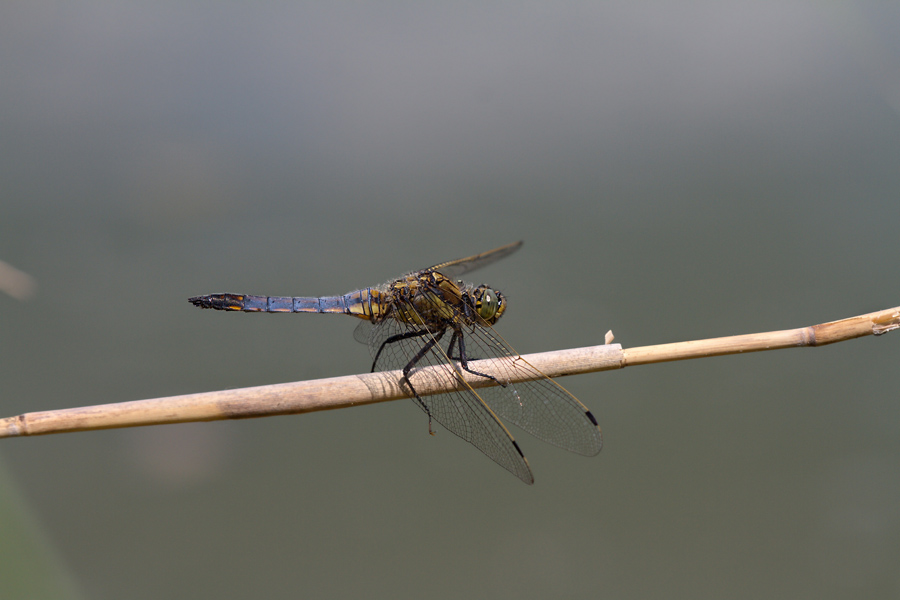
[(677, 171)]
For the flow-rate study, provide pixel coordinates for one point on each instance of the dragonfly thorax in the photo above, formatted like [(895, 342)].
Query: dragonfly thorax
[(437, 301)]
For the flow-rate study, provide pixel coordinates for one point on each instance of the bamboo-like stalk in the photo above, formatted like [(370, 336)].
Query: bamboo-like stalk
[(354, 390)]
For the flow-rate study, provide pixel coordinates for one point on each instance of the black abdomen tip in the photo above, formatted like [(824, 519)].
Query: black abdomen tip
[(201, 301), (219, 301)]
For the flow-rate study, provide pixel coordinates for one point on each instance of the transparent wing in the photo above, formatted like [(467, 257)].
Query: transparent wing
[(541, 407), (454, 268), (461, 412)]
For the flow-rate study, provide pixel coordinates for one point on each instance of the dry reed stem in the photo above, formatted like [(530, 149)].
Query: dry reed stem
[(354, 390)]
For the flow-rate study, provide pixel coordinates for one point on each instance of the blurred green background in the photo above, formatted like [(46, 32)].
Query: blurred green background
[(677, 171)]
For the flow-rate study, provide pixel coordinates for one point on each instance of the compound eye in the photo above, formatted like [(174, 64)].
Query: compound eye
[(487, 304)]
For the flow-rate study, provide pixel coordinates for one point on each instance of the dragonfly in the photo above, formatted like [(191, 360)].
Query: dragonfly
[(430, 318)]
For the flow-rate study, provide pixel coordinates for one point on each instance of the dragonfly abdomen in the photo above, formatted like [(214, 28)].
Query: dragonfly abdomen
[(358, 303)]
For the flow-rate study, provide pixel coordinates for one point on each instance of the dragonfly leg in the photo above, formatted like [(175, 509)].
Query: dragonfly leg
[(450, 348), (397, 338), (412, 363), (458, 335)]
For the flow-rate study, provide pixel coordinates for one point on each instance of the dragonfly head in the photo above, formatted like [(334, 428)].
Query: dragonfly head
[(489, 304)]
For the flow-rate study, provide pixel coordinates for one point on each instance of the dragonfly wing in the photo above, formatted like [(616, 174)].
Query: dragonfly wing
[(455, 268), (461, 412), (541, 406), (363, 332)]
